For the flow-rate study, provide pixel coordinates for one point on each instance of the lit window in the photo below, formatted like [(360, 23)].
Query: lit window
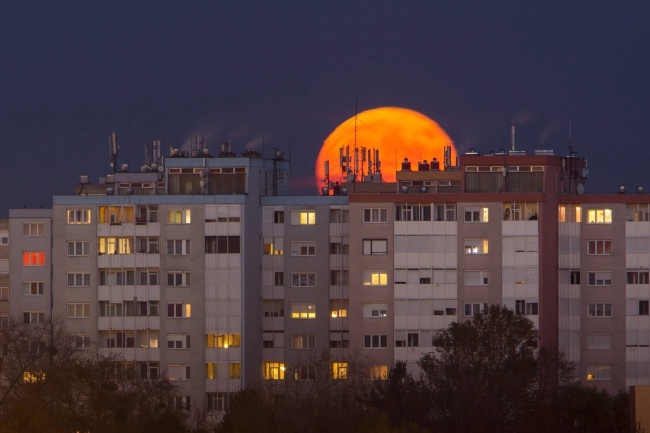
[(78, 311), (372, 372), (599, 310), (179, 216), (303, 217), (599, 372), (375, 341), (76, 216), (375, 215), (599, 216), (179, 310), (273, 246), (33, 258), (223, 341), (339, 308), (274, 370), (116, 245), (339, 370), (375, 246), (211, 370), (117, 214), (476, 246), (375, 278), (476, 215), (599, 248), (303, 311), (33, 229)]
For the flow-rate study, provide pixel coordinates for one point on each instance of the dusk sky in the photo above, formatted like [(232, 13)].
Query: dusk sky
[(289, 71)]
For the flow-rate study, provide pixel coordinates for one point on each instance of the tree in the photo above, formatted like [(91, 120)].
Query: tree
[(485, 373)]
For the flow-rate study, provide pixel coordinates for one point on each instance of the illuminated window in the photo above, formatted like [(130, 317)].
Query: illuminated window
[(211, 370), (375, 246), (472, 309), (78, 279), (303, 217), (303, 311), (33, 229), (78, 311), (223, 340), (599, 372), (303, 342), (79, 216), (117, 214), (339, 308), (78, 248), (599, 310), (33, 317), (375, 278), (33, 258), (273, 246), (371, 372), (476, 215), (179, 216), (274, 370), (375, 341), (339, 370), (303, 372), (179, 310), (178, 372), (116, 245), (178, 341), (178, 279), (519, 211), (304, 279), (303, 248), (599, 248), (375, 310), (599, 278), (178, 247), (375, 215), (599, 216), (476, 246)]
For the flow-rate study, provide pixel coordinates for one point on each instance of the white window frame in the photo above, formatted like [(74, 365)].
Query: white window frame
[(375, 341), (179, 247), (599, 278), (599, 216), (179, 216), (79, 310), (79, 279), (482, 278), (33, 229), (33, 288), (303, 342), (374, 215), (303, 217), (82, 342), (599, 341), (375, 246), (375, 310), (179, 279), (178, 341), (597, 247), (184, 307), (375, 278), (303, 248), (78, 216), (471, 309), (78, 248), (303, 311), (33, 258), (476, 215), (599, 310), (303, 279), (35, 317), (476, 246)]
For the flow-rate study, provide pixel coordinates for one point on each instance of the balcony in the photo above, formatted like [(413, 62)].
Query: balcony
[(127, 293), (132, 353), (131, 323)]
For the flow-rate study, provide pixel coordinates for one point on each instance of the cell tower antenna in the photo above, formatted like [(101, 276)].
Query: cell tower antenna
[(114, 149)]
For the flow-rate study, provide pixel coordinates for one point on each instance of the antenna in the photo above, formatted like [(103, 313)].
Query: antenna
[(113, 149), (512, 136)]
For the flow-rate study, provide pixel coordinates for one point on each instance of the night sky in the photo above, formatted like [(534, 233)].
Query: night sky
[(288, 73)]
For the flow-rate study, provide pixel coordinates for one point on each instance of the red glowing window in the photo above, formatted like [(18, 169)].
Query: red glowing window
[(33, 258)]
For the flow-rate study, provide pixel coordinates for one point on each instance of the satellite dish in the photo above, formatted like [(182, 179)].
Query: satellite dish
[(580, 189), (161, 168), (585, 172)]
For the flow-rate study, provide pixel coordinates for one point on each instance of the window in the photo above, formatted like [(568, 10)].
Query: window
[(147, 278), (278, 217), (78, 311), (599, 216), (638, 277), (223, 341), (644, 308), (78, 279), (339, 248), (599, 372), (574, 277), (472, 309), (81, 342), (78, 248), (116, 214), (375, 278), (412, 340), (182, 402), (375, 246), (273, 246), (303, 372), (304, 279), (445, 212), (178, 247), (79, 216), (375, 341), (178, 341), (372, 372), (278, 279), (374, 310), (476, 246), (519, 211), (178, 279), (476, 278), (210, 370), (218, 401), (303, 248), (527, 308), (116, 245), (599, 248), (599, 310), (339, 278), (339, 308), (599, 278), (149, 370), (413, 212), (303, 311), (599, 341), (178, 372), (33, 229), (179, 216), (303, 342), (569, 213), (4, 321), (4, 238), (33, 259), (274, 370), (222, 245), (146, 214), (179, 310), (303, 217), (339, 370), (339, 216), (375, 215), (116, 278), (33, 317), (476, 215), (4, 294)]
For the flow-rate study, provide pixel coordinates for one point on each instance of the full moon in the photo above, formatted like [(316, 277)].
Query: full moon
[(397, 133)]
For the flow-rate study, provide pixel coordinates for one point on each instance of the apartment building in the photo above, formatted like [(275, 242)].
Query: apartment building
[(206, 269)]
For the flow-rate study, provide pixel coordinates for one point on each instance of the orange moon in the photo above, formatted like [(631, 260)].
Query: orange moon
[(397, 133)]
